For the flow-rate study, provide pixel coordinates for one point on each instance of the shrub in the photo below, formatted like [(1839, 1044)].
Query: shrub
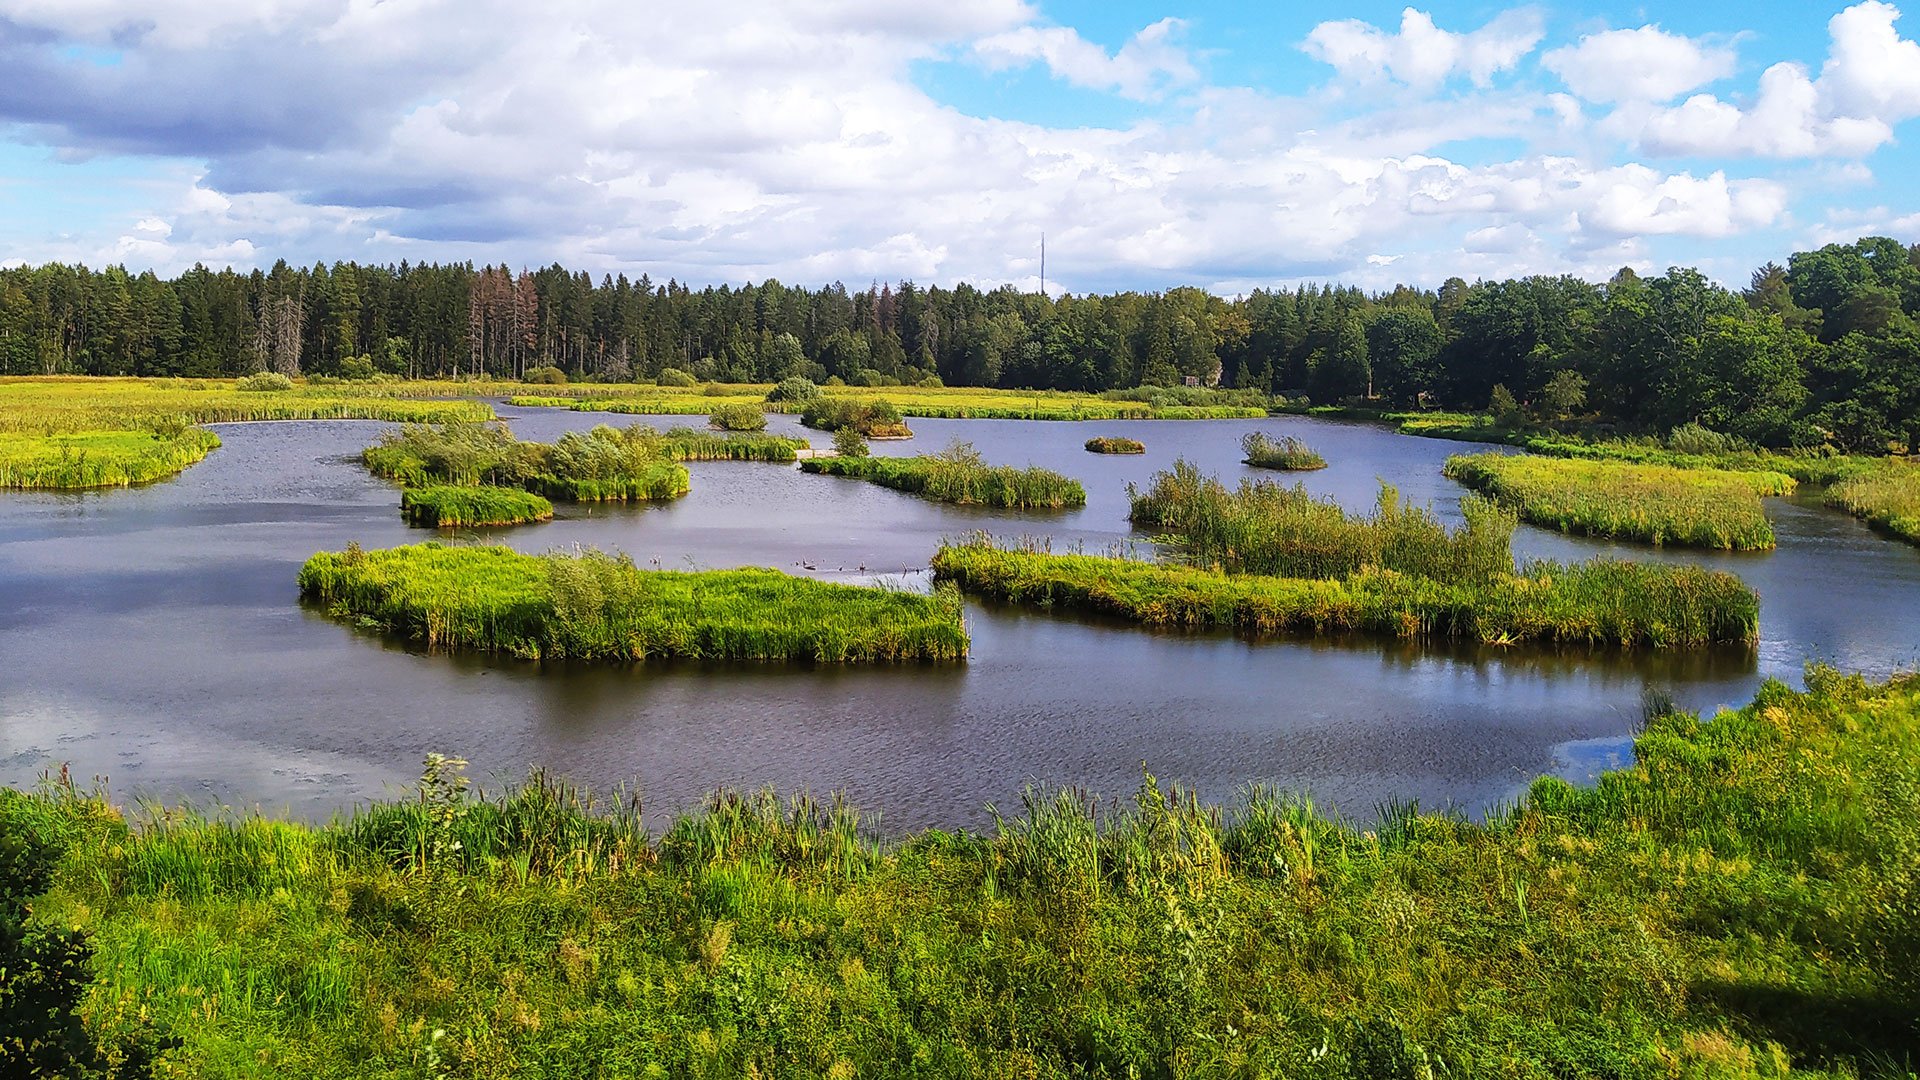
[(358, 369), (795, 389), (676, 377), (545, 375), (848, 442), (931, 382), (1108, 444), (740, 417), (265, 382)]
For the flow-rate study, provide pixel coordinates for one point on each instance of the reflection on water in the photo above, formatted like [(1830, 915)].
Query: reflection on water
[(154, 636)]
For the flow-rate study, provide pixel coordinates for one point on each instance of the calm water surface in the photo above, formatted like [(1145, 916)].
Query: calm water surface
[(154, 637)]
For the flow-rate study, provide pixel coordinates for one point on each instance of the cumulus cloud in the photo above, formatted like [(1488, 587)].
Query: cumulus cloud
[(1647, 64), (1421, 54), (753, 138), (1869, 83), (1144, 67)]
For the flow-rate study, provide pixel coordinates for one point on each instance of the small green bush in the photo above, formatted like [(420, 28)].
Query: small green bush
[(848, 442), (676, 377), (545, 375), (265, 382), (741, 417), (795, 389)]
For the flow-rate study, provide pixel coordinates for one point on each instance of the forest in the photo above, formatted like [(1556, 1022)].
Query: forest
[(1822, 351)]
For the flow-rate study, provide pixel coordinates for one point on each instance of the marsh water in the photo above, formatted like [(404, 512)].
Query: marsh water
[(155, 637)]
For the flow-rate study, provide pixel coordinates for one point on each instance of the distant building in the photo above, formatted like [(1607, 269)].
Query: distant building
[(1193, 380)]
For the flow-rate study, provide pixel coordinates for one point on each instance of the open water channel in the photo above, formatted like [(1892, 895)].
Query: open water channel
[(155, 637)]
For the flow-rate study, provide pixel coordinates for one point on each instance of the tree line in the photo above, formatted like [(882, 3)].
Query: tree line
[(1823, 350)]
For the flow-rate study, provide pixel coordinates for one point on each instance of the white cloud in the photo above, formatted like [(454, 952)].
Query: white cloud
[(1647, 64), (1422, 55), (1148, 63)]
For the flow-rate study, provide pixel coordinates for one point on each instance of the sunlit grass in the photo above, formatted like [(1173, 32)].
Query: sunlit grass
[(1655, 504), (445, 506), (96, 459), (959, 475), (1285, 452), (1887, 498)]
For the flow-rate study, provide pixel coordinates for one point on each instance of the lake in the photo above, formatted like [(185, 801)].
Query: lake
[(155, 637)]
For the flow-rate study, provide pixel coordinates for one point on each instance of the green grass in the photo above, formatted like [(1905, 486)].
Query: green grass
[(1887, 498), (603, 465), (1113, 444), (738, 417), (1598, 603), (873, 418), (97, 459), (958, 475), (692, 444), (1737, 903), (1264, 528), (541, 401), (1654, 504), (1285, 452), (446, 506), (598, 608)]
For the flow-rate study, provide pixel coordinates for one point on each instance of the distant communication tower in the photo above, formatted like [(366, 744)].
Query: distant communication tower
[(1043, 264)]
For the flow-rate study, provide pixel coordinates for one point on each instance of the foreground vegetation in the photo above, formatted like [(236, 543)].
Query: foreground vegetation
[(1887, 498), (1655, 504), (97, 459), (1597, 603), (1285, 452), (1738, 903), (595, 607), (1114, 444), (447, 506), (959, 475)]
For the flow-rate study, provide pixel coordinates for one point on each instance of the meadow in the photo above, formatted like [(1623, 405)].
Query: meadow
[(1653, 504), (449, 506), (1739, 902), (1114, 444), (96, 459), (1264, 528), (594, 607), (1285, 452), (1598, 603), (1887, 498), (959, 475)]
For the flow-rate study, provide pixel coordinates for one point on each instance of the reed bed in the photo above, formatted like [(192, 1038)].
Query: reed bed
[(541, 401), (959, 475), (89, 404), (1285, 452), (1598, 603), (1655, 504), (99, 459), (692, 444), (873, 418), (446, 506), (1887, 498), (738, 417), (684, 406), (1736, 903), (1264, 528), (1113, 444), (594, 607), (605, 464)]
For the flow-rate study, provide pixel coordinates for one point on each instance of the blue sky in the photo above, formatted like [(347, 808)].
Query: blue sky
[(1225, 145)]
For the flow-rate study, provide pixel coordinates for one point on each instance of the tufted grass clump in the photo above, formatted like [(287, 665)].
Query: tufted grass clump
[(446, 506), (602, 465), (1113, 444), (1654, 504), (1265, 528), (1887, 497), (959, 475), (873, 418), (595, 607), (738, 417), (1285, 452)]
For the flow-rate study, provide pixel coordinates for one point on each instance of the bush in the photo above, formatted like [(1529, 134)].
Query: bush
[(545, 375), (676, 377), (867, 377), (1698, 439), (848, 442), (358, 369), (1113, 444), (834, 380), (740, 417), (265, 382), (931, 382), (794, 389)]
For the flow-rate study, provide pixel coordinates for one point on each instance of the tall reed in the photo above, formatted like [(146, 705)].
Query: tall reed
[(1887, 498), (959, 475), (1285, 452)]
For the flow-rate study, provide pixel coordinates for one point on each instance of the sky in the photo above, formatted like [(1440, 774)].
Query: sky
[(1220, 144)]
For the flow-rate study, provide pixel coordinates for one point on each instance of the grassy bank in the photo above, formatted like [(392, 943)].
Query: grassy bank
[(97, 459), (446, 506), (1264, 528), (58, 405), (1654, 504), (958, 475), (1285, 452), (692, 444), (1113, 444), (1887, 498), (598, 608), (1738, 903), (1598, 603)]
